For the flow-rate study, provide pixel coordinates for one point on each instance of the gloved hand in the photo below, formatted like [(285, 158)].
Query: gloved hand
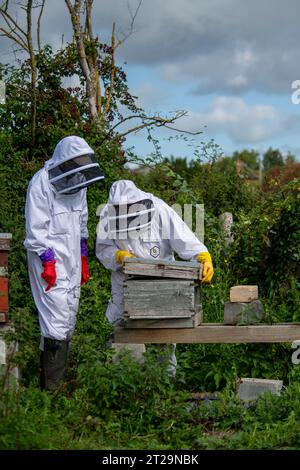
[(208, 269), (85, 272), (120, 255), (49, 273)]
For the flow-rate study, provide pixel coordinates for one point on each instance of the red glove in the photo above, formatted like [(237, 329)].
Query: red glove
[(85, 272), (49, 274)]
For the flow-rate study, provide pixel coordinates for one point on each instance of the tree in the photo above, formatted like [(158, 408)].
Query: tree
[(23, 38), (272, 157), (94, 64), (249, 157), (290, 159)]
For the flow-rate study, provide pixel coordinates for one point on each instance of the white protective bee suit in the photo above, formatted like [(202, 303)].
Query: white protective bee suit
[(165, 234), (57, 221)]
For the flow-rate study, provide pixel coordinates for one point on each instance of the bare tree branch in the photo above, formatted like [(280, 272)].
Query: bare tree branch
[(147, 122), (133, 18), (182, 131), (88, 19), (75, 11), (10, 35), (92, 57), (7, 17), (112, 72), (160, 120), (14, 31), (39, 25), (23, 38)]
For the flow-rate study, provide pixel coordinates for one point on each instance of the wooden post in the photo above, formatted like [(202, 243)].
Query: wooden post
[(226, 220)]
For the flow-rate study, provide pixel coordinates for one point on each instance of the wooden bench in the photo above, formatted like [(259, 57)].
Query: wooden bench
[(212, 333)]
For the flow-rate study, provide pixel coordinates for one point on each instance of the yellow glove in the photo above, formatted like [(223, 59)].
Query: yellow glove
[(208, 269), (120, 255)]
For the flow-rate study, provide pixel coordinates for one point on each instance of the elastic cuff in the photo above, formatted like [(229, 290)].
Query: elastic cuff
[(84, 247), (47, 256), (204, 257)]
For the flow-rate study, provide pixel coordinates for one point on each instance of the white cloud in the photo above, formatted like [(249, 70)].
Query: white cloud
[(243, 123), (149, 95), (221, 46)]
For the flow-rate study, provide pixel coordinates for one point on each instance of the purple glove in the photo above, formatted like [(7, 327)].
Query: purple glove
[(84, 247), (49, 273), (47, 256)]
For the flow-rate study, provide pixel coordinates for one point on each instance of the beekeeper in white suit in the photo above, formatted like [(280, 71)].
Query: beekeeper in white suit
[(137, 224), (56, 242)]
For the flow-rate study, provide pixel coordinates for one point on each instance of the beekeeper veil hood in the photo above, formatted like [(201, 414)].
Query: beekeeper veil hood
[(73, 166), (129, 208)]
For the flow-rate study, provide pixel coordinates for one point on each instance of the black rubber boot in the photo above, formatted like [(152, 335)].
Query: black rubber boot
[(54, 362), (42, 371)]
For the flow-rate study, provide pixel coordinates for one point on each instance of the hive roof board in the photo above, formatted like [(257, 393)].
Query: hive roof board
[(162, 268)]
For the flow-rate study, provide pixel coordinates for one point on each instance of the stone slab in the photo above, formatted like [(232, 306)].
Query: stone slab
[(136, 350), (250, 389), (243, 312)]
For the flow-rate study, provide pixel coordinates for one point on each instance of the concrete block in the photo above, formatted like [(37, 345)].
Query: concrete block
[(136, 350), (243, 312), (251, 389), (7, 352), (2, 351), (243, 293)]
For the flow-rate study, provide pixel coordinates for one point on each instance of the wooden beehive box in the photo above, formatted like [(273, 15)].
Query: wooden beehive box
[(162, 294)]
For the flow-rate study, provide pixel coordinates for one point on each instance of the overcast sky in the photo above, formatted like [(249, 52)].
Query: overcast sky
[(229, 63)]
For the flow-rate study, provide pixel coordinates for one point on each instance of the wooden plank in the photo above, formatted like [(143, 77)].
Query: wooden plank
[(192, 322), (157, 298), (162, 268), (212, 333), (169, 323)]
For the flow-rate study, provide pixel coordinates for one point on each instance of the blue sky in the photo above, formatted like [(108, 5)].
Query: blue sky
[(158, 95), (229, 63)]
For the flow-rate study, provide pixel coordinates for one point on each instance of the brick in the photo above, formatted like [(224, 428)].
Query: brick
[(3, 259), (243, 312), (250, 389), (136, 350), (3, 294), (243, 293)]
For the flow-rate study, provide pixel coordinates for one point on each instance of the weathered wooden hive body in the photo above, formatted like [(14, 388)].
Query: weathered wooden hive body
[(162, 294)]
